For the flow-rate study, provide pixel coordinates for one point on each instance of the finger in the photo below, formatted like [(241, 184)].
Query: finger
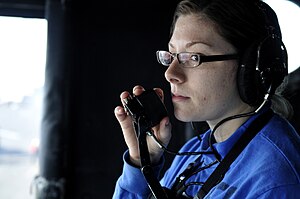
[(128, 131), (163, 135), (165, 130), (120, 114), (123, 96), (160, 93), (137, 90)]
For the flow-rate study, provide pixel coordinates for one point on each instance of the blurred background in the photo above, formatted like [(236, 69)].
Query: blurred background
[(63, 65)]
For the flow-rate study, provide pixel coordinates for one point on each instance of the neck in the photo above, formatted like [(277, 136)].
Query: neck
[(225, 130)]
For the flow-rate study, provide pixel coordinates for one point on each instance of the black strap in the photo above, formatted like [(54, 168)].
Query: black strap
[(146, 168), (221, 169)]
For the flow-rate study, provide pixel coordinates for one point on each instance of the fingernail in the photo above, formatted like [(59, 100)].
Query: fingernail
[(136, 87), (167, 122), (119, 110)]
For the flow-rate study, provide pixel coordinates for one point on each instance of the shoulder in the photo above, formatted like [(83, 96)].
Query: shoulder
[(278, 144), (280, 136), (280, 123), (270, 163), (272, 158)]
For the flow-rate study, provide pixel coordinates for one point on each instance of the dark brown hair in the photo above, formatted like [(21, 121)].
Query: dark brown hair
[(240, 22)]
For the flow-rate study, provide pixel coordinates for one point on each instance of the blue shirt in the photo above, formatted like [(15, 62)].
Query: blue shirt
[(269, 167)]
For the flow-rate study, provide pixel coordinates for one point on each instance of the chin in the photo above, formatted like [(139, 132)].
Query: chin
[(183, 117)]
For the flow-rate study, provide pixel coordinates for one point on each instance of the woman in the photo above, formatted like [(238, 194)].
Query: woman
[(228, 91)]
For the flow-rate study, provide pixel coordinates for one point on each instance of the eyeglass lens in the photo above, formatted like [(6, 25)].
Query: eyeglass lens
[(188, 59)]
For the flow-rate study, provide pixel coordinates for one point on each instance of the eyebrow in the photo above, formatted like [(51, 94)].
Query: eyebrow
[(189, 44)]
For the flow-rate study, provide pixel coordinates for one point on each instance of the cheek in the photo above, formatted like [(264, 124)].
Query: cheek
[(218, 85), (212, 90), (229, 77), (227, 82), (226, 86)]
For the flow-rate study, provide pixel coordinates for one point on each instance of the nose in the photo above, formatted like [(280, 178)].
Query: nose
[(175, 74)]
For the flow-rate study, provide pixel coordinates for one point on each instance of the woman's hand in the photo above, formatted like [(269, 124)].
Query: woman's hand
[(162, 131)]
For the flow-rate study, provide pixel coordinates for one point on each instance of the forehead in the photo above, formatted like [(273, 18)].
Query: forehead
[(195, 29)]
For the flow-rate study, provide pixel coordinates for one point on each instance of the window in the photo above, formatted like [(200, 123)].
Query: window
[(288, 14), (22, 70)]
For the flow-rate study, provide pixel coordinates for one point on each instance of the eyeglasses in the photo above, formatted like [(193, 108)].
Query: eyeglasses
[(190, 60)]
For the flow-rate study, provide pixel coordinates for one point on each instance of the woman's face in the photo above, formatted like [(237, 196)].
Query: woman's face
[(207, 92)]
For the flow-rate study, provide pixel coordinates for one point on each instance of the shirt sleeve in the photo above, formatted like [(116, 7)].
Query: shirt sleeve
[(132, 184)]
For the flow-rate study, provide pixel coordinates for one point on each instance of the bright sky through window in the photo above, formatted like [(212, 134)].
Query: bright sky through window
[(288, 15), (22, 62)]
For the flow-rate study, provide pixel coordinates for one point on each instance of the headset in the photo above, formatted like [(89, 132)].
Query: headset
[(263, 65)]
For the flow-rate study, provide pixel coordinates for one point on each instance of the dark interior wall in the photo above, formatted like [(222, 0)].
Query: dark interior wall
[(115, 50), (95, 51)]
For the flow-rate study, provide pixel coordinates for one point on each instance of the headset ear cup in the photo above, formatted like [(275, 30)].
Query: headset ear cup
[(262, 69), (272, 63), (248, 79)]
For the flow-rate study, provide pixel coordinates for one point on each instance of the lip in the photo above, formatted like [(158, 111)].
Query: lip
[(178, 97)]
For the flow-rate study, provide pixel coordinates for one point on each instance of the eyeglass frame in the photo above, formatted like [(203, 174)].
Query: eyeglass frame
[(202, 58)]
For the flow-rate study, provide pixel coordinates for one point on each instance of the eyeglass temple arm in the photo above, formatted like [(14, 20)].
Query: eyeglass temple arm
[(218, 57)]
